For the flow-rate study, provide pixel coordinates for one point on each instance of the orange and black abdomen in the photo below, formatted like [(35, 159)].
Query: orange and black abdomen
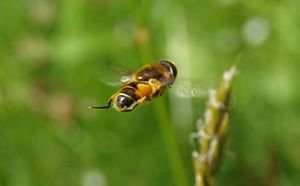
[(138, 90), (131, 92), (126, 98)]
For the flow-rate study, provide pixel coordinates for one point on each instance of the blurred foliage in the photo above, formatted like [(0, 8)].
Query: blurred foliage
[(53, 54)]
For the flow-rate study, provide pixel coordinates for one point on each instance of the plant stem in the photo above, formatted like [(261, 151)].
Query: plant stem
[(162, 115), (170, 143)]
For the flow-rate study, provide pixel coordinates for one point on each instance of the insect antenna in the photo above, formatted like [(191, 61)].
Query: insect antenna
[(102, 107)]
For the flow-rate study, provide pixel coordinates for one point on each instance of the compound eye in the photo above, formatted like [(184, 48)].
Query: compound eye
[(170, 66), (124, 101)]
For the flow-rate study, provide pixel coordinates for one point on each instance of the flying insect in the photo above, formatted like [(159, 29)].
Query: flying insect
[(143, 85)]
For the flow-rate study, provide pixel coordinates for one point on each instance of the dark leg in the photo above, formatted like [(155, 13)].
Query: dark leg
[(102, 107)]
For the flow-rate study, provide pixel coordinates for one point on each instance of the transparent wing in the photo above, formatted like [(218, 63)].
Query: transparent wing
[(188, 89), (115, 80), (114, 76)]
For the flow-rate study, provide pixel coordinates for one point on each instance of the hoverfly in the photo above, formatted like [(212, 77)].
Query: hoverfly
[(143, 85)]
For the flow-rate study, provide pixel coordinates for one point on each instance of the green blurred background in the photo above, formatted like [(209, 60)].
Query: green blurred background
[(53, 54)]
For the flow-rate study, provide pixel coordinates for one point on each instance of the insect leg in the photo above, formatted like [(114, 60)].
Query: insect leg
[(103, 107), (137, 103)]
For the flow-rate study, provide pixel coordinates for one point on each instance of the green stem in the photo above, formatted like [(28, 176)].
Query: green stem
[(177, 166), (162, 115)]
